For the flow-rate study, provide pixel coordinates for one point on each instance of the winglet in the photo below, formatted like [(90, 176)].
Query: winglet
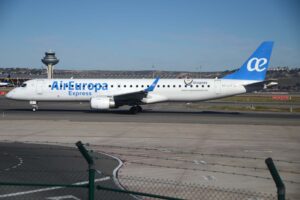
[(152, 86)]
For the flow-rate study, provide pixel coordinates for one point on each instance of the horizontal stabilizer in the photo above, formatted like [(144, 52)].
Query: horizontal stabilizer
[(260, 85)]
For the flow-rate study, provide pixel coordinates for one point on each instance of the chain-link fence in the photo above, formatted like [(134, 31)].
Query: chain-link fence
[(186, 190), (73, 180), (159, 187)]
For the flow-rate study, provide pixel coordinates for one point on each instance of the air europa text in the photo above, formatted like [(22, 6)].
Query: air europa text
[(72, 85)]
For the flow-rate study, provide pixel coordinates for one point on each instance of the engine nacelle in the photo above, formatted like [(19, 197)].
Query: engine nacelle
[(102, 103)]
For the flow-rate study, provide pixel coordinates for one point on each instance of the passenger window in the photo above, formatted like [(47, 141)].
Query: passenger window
[(163, 85), (208, 85), (197, 85), (174, 86), (202, 85), (168, 85), (179, 85), (142, 86), (23, 85), (147, 85), (119, 86), (112, 86), (130, 85), (157, 85), (191, 85), (49, 85), (124, 86), (137, 86)]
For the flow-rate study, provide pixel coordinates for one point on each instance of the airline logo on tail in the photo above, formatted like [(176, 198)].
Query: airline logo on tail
[(258, 64)]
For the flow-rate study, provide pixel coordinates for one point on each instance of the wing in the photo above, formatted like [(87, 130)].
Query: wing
[(260, 85), (134, 98)]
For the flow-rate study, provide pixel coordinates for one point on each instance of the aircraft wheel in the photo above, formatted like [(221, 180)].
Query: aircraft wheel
[(133, 110), (35, 108), (139, 108)]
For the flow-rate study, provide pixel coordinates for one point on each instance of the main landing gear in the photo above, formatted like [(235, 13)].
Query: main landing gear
[(34, 105), (135, 109)]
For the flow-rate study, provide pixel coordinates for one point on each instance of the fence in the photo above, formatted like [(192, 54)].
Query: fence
[(79, 183), (186, 191)]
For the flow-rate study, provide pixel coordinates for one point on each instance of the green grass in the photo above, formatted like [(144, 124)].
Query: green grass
[(247, 108), (5, 89)]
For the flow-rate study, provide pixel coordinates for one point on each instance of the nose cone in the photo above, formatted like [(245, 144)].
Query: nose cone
[(10, 95)]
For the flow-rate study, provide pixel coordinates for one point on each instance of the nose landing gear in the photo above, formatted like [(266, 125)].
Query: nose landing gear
[(34, 108), (34, 105)]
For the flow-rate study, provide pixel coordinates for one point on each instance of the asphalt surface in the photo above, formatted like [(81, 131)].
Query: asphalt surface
[(47, 164), (156, 113), (171, 126)]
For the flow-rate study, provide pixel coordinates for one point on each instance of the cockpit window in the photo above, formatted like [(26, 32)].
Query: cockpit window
[(24, 85)]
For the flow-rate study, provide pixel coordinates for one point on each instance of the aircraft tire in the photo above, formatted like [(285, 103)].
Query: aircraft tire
[(133, 110), (139, 108)]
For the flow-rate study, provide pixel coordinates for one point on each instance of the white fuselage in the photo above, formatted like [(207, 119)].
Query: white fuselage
[(165, 90)]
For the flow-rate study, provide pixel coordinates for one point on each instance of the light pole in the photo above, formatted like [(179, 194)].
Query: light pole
[(199, 71), (153, 71)]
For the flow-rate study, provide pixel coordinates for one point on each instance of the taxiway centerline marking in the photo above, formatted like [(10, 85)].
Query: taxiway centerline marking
[(49, 188)]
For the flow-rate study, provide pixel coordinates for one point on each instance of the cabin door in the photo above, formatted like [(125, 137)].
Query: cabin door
[(39, 87)]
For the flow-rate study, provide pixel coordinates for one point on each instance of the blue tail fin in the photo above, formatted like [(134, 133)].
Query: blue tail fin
[(256, 66)]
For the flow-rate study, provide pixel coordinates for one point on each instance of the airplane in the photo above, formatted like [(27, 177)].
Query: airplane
[(6, 82), (104, 94), (3, 84)]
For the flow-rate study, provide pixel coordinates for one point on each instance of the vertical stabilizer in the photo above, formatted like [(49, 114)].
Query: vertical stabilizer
[(256, 66)]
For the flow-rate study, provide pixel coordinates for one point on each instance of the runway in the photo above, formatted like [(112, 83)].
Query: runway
[(48, 164), (157, 113)]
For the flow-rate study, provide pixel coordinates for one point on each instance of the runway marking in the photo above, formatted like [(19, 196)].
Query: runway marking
[(63, 197), (200, 162), (116, 171), (49, 188), (14, 166), (209, 178), (257, 151), (164, 150)]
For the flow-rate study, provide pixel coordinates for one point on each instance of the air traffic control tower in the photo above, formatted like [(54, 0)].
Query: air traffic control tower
[(50, 60)]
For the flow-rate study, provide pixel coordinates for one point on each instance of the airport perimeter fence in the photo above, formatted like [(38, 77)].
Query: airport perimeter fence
[(174, 190), (92, 184)]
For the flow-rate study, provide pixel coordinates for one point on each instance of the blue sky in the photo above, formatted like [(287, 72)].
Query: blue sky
[(136, 34)]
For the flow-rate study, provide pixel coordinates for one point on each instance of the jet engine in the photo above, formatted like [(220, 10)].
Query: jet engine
[(102, 103)]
